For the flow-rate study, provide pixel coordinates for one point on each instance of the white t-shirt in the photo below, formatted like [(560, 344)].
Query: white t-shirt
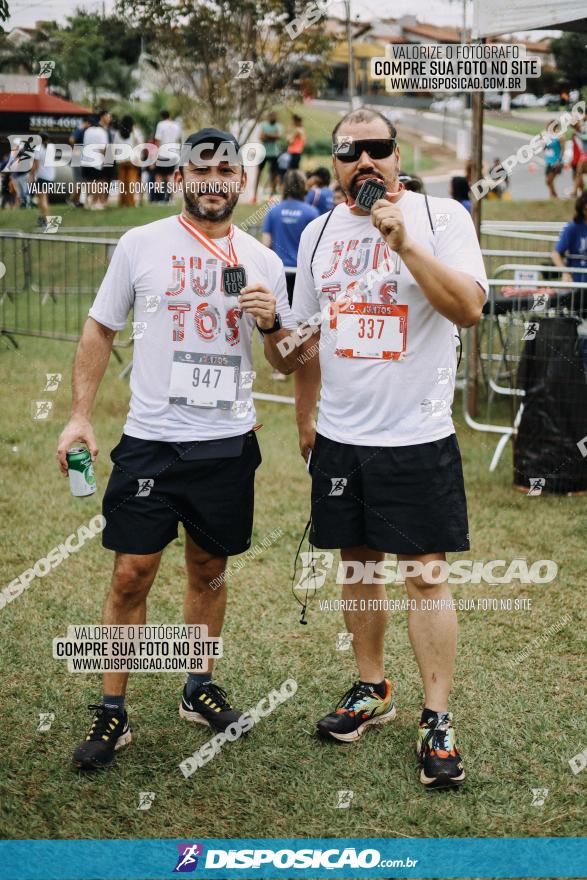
[(173, 283), (377, 402), (44, 171), (167, 132), (135, 137), (95, 142)]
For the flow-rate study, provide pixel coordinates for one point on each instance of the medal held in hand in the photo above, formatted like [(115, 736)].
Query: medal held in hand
[(370, 192), (234, 278)]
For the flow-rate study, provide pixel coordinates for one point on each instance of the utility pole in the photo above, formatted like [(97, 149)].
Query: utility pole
[(351, 62), (476, 174), (463, 140)]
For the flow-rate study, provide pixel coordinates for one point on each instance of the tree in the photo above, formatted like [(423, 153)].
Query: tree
[(99, 51), (229, 60), (571, 58)]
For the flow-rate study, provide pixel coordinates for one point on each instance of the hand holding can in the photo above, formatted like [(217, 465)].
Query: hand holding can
[(82, 480), (77, 431)]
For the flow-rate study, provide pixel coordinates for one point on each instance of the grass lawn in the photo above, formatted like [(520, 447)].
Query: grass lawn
[(523, 124), (545, 210), (518, 725), (527, 126)]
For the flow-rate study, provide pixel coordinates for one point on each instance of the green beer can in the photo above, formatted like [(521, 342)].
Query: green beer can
[(82, 480)]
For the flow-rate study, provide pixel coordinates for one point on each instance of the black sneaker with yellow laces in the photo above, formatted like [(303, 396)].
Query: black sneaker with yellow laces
[(209, 705), (108, 733)]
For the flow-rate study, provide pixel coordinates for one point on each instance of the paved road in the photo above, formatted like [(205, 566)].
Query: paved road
[(526, 180)]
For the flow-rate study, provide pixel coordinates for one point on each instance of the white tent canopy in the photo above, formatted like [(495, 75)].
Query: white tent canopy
[(493, 17)]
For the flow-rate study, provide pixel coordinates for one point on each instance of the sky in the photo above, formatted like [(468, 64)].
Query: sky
[(440, 12)]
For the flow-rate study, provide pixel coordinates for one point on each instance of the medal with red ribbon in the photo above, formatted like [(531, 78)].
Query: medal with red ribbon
[(234, 276)]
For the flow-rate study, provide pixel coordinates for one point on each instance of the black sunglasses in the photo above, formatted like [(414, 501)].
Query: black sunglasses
[(349, 150)]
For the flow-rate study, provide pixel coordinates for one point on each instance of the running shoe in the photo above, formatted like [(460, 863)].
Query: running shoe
[(358, 709), (442, 766), (209, 705), (108, 733)]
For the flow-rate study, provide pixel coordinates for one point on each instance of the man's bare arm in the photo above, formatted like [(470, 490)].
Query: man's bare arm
[(307, 380), (456, 295), (559, 261), (91, 360)]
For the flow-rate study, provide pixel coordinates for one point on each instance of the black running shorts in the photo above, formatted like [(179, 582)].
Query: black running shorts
[(401, 499), (155, 485)]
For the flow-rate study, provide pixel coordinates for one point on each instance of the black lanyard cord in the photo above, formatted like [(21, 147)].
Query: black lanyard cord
[(304, 604)]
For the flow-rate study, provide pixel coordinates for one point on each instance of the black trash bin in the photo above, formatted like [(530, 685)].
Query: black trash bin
[(548, 444)]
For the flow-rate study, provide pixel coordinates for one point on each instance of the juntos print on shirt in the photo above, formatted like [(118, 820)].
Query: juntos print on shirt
[(204, 279), (366, 263)]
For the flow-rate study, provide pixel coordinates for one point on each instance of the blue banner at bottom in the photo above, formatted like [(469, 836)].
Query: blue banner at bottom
[(296, 857)]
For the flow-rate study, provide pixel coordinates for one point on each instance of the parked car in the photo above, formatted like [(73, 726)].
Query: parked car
[(526, 99), (549, 101), (448, 105), (492, 100), (394, 116)]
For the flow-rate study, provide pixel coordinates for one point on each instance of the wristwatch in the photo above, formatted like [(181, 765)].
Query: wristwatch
[(274, 329)]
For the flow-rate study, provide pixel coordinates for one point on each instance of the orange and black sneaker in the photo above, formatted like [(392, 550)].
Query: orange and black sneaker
[(357, 710), (436, 748)]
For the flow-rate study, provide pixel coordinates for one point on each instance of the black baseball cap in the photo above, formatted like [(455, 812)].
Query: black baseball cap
[(213, 137)]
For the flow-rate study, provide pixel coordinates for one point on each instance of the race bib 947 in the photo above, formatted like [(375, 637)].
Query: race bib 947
[(204, 379)]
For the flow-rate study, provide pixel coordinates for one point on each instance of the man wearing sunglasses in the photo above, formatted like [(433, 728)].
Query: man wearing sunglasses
[(389, 285)]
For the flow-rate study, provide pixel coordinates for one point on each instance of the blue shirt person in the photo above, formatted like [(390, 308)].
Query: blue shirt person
[(571, 248), (319, 195), (285, 222)]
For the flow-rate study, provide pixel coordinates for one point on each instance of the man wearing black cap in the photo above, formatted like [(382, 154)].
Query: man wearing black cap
[(199, 287)]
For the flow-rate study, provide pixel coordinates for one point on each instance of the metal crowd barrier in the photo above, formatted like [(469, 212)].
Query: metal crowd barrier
[(49, 282), (524, 241), (515, 306)]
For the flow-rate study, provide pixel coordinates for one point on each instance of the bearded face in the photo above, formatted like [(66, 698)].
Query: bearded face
[(211, 191), (209, 200)]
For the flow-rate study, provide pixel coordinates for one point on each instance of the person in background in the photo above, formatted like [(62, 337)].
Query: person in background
[(76, 141), (575, 153), (319, 194), (579, 155), (93, 171), (7, 193), (571, 248), (496, 170), (338, 194), (412, 182), (43, 175), (553, 161), (148, 181), (459, 190), (271, 134), (296, 141), (167, 132), (20, 158), (469, 170), (128, 174), (283, 226)]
